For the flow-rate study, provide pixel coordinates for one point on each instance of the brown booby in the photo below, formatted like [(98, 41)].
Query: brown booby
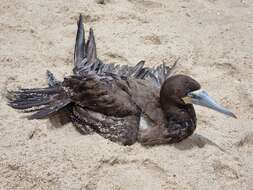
[(119, 102)]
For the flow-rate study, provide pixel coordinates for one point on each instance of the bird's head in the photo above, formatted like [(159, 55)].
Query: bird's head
[(181, 90)]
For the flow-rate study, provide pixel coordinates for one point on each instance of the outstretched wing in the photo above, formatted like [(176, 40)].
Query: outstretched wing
[(86, 61)]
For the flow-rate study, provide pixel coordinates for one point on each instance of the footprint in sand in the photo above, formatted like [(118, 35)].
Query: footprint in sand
[(16, 176), (118, 174), (102, 2), (116, 58), (227, 67), (225, 171), (151, 40), (147, 4), (246, 140)]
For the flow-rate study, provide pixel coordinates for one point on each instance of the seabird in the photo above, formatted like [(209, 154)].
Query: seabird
[(122, 103)]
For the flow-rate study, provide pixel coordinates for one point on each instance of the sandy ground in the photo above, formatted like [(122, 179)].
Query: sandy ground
[(212, 38)]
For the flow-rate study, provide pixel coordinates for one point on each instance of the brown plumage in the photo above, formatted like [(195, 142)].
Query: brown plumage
[(113, 101)]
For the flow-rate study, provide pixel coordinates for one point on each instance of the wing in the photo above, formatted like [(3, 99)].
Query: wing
[(123, 130), (105, 95), (147, 98), (86, 61)]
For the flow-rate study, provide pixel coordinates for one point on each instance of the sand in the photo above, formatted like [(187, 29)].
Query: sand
[(212, 38)]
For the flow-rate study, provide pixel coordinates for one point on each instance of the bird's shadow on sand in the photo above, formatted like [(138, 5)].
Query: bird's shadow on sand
[(196, 140)]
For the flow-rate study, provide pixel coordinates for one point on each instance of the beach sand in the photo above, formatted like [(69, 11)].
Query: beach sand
[(213, 40)]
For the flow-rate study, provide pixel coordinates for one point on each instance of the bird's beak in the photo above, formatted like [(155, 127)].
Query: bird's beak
[(201, 97)]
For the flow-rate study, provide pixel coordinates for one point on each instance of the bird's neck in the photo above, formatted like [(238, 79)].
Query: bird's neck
[(179, 113), (181, 121)]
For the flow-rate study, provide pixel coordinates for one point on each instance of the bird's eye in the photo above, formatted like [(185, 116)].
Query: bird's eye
[(190, 94), (188, 90)]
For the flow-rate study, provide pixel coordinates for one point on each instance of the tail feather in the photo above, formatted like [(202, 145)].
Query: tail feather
[(136, 69), (143, 73), (41, 91), (91, 50), (26, 104), (79, 53), (85, 55), (170, 70), (49, 110), (42, 101)]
